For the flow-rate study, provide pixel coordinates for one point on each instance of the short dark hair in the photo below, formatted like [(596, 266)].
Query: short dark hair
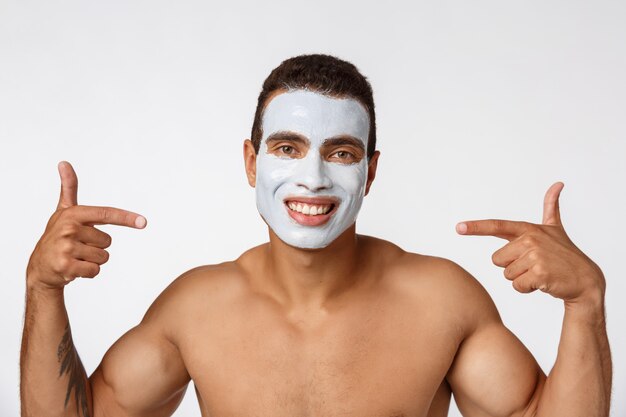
[(321, 73)]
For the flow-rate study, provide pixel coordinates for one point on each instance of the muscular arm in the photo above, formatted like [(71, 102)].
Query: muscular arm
[(580, 381), (52, 380), (142, 374), (543, 257), (494, 374)]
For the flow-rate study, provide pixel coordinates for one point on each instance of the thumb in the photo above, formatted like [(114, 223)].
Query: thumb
[(551, 212), (69, 185)]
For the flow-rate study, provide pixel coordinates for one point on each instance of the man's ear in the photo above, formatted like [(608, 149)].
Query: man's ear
[(249, 160), (371, 171)]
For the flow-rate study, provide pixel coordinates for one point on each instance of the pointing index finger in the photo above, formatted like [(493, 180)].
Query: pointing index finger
[(504, 229), (92, 215)]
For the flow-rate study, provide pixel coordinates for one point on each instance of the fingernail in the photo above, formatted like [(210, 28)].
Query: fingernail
[(461, 228), (140, 222)]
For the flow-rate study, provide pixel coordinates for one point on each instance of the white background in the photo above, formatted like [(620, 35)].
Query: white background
[(481, 106)]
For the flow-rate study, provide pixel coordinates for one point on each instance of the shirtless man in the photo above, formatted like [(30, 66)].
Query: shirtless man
[(319, 321)]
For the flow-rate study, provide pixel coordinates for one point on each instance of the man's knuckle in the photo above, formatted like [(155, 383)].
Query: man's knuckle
[(529, 240), (539, 270), (495, 258), (507, 273), (91, 271), (68, 229), (499, 225), (66, 247), (62, 265), (523, 286), (104, 214)]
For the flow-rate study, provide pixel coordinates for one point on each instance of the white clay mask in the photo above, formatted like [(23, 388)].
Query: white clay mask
[(309, 187)]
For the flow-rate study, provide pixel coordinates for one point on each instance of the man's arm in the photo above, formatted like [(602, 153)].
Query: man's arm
[(142, 374), (53, 381), (52, 378), (493, 374), (543, 257), (580, 381)]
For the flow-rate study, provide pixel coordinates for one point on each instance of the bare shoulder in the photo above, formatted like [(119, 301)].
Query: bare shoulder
[(144, 370), (202, 281), (192, 293), (438, 282)]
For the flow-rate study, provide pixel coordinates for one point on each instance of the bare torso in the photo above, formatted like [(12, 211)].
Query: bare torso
[(359, 328), (381, 349)]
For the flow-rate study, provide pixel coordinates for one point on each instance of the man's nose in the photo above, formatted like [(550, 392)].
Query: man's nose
[(312, 173)]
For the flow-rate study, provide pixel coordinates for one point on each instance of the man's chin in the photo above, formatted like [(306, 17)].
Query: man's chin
[(301, 238), (310, 240), (307, 243)]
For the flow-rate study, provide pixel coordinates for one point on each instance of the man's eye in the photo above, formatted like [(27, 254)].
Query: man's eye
[(345, 155), (286, 149)]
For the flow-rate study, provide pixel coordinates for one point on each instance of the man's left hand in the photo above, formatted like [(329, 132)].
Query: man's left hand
[(542, 256)]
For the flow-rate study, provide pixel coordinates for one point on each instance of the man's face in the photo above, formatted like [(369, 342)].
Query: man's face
[(311, 168)]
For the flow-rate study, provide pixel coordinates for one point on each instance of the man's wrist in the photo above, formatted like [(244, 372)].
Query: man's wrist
[(34, 285), (588, 308)]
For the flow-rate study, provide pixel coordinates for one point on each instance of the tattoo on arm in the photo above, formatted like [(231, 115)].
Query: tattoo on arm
[(71, 365)]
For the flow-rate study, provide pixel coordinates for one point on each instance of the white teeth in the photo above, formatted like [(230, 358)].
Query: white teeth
[(309, 210)]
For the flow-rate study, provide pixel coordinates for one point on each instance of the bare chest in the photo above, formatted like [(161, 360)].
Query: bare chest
[(378, 364)]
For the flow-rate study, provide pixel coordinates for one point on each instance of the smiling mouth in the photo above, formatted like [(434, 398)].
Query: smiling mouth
[(309, 209)]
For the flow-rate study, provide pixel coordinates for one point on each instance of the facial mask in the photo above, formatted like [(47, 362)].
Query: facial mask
[(290, 189)]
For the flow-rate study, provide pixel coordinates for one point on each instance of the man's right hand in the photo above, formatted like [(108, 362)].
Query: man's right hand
[(71, 246)]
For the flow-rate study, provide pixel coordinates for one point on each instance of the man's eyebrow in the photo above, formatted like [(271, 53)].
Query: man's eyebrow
[(287, 136), (344, 140)]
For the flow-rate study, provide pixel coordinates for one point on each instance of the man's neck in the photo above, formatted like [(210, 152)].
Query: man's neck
[(304, 279)]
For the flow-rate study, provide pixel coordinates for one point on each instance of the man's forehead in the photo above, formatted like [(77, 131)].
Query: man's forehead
[(315, 116)]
